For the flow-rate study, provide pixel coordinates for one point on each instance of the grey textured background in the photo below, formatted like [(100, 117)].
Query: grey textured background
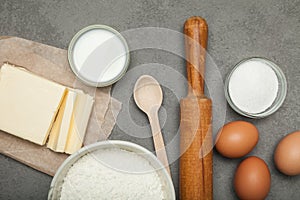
[(237, 29)]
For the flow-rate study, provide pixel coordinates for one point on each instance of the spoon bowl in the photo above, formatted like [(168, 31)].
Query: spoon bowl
[(147, 94)]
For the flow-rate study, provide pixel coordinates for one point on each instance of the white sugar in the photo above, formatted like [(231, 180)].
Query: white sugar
[(112, 174), (253, 86)]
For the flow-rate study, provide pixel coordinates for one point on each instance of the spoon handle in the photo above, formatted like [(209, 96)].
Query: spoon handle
[(158, 140)]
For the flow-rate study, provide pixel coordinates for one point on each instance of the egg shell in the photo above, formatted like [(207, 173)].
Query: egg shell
[(287, 154), (252, 179), (236, 139)]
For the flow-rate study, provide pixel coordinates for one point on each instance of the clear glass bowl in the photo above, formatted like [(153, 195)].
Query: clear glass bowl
[(281, 93)]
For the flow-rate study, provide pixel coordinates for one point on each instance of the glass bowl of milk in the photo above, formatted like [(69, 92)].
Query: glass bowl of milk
[(98, 55)]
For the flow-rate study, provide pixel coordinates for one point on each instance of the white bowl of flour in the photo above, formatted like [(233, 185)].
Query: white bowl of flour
[(112, 170)]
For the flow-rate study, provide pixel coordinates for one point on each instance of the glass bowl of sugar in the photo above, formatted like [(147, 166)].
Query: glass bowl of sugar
[(256, 87)]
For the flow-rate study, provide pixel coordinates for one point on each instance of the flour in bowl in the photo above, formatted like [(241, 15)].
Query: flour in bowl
[(112, 174)]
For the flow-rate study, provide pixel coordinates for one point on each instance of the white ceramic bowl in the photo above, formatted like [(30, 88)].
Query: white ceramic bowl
[(166, 181)]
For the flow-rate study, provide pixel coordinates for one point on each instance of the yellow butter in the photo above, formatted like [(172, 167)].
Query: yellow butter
[(79, 121), (28, 103), (66, 121), (54, 133), (34, 108)]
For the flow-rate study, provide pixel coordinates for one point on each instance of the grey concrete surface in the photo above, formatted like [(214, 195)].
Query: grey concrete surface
[(237, 29)]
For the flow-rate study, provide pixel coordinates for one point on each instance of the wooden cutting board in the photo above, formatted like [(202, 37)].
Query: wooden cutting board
[(51, 63)]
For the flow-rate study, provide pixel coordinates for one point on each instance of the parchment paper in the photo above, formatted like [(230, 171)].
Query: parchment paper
[(52, 63)]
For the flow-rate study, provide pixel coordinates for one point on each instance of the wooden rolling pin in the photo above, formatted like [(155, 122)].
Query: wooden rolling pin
[(196, 115)]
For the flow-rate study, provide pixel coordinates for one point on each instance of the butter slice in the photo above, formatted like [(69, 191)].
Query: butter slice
[(28, 103), (54, 133), (80, 117), (66, 121)]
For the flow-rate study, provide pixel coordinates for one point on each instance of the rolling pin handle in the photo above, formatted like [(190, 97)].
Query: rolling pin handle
[(195, 30)]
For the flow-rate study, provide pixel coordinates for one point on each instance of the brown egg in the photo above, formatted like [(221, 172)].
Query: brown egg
[(236, 139), (287, 154), (252, 179)]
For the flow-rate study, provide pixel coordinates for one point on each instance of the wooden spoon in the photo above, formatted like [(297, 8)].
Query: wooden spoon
[(148, 97)]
